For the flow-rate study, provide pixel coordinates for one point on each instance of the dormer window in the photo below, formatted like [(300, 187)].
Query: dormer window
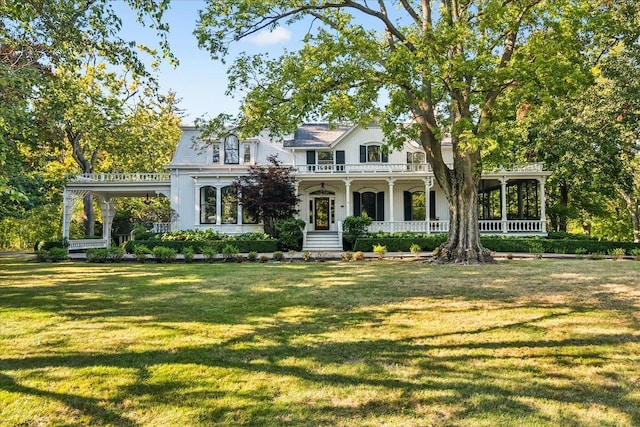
[(231, 150), (373, 153)]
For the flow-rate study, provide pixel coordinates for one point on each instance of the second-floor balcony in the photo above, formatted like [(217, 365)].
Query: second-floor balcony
[(399, 168), (359, 168)]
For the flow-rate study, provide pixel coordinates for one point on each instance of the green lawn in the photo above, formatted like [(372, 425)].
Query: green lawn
[(394, 343)]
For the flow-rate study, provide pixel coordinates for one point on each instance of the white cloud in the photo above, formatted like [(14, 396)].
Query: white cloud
[(265, 37)]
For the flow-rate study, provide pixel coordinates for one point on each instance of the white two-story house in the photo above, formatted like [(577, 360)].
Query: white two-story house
[(339, 172)]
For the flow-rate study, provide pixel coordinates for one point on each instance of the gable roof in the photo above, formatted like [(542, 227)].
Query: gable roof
[(318, 135)]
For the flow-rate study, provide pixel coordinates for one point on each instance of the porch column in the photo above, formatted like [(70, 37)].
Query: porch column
[(503, 203), (428, 183), (108, 209), (391, 207), (196, 200), (239, 213), (347, 189), (543, 205), (218, 205), (67, 210)]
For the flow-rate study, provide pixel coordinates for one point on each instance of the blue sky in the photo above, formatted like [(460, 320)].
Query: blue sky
[(199, 81)]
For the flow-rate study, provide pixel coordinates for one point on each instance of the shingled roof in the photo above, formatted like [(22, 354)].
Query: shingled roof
[(315, 135)]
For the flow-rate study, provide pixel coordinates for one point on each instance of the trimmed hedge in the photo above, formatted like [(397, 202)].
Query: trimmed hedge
[(496, 244), (198, 247), (400, 244)]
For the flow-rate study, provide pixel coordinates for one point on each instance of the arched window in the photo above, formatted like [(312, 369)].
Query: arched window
[(231, 150), (208, 205), (229, 205)]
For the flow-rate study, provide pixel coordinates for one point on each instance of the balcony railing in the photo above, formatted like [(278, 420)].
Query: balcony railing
[(121, 177), (364, 168)]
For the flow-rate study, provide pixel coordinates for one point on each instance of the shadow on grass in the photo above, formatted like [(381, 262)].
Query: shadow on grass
[(438, 374)]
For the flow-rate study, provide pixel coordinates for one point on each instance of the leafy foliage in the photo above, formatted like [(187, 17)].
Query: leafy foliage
[(269, 193)]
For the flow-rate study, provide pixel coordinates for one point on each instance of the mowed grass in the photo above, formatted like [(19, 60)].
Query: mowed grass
[(393, 343)]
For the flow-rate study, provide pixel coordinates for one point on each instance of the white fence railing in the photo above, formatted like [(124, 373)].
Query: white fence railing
[(161, 227), (87, 244), (438, 226), (121, 177)]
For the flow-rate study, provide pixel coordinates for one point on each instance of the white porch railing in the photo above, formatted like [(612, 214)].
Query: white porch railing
[(121, 177), (438, 226), (161, 227), (490, 226), (340, 231), (87, 244), (524, 226), (432, 226), (364, 168)]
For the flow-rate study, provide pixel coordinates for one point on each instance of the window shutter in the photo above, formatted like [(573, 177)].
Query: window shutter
[(311, 157), (363, 154), (432, 204), (340, 157), (380, 206), (357, 208), (407, 206)]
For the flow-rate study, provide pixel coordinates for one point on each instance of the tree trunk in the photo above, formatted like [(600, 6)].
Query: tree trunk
[(89, 218), (463, 245), (564, 207)]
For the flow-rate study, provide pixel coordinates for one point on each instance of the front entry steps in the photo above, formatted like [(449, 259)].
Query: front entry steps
[(322, 241)]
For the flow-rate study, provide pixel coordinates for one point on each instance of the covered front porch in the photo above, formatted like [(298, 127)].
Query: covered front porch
[(105, 188)]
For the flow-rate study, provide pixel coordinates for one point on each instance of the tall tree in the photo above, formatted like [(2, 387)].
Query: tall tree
[(102, 116), (268, 193), (444, 64), (37, 36)]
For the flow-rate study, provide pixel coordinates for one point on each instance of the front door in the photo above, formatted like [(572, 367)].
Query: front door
[(321, 213)]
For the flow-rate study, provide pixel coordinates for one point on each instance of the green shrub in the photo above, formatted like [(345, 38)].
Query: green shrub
[(617, 253), (635, 253), (278, 256), (346, 256), (306, 256), (415, 249), (116, 254), (58, 254), (239, 258), (596, 255), (290, 233), (245, 245), (252, 256), (141, 252), (229, 252), (536, 248), (42, 256), (188, 254), (358, 256), (355, 227), (210, 253), (164, 254), (380, 250), (45, 245), (264, 258), (581, 251), (98, 255)]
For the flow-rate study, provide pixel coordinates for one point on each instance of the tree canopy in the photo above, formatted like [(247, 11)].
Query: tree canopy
[(446, 68)]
